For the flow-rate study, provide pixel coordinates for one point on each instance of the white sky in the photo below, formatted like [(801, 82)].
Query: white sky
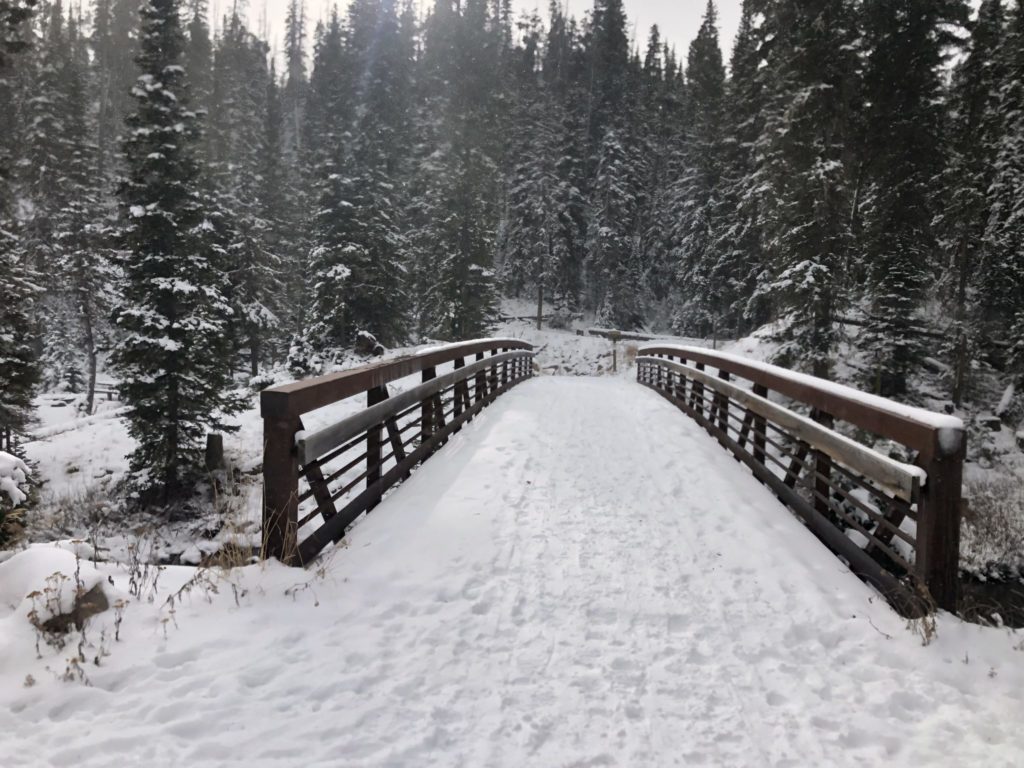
[(678, 20)]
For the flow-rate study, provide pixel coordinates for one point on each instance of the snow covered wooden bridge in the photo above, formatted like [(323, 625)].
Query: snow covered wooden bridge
[(586, 457)]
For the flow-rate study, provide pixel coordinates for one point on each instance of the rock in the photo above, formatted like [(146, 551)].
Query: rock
[(367, 345), (1020, 440), (86, 606), (992, 423)]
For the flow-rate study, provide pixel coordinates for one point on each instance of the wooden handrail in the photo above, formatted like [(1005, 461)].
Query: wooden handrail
[(786, 448), (324, 458), (924, 431)]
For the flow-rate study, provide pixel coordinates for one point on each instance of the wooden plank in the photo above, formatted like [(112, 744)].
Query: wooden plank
[(901, 479)]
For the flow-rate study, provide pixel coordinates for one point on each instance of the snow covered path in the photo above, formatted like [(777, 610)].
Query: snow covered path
[(580, 578)]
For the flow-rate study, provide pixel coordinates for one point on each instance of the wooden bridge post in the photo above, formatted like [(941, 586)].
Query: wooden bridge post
[(938, 523), (280, 480)]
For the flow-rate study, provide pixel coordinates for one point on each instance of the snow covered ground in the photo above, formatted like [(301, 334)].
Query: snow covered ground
[(580, 578)]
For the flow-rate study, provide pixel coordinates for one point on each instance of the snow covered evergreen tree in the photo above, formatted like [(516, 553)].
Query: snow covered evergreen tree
[(803, 156), (908, 42), (19, 369), (173, 359), (971, 148), (742, 266), (1001, 283), (701, 298), (614, 262)]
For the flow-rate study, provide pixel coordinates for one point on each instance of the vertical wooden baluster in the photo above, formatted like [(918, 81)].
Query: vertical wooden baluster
[(698, 393), (374, 441), (480, 388), (427, 409), (823, 469), (492, 374), (760, 427), (723, 405)]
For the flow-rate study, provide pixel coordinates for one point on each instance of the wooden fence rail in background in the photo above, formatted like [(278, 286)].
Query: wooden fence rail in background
[(316, 483), (896, 523)]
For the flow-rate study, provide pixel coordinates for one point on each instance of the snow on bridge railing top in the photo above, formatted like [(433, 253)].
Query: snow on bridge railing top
[(307, 395), (932, 434)]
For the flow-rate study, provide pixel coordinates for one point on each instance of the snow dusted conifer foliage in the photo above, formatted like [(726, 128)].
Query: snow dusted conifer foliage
[(19, 366), (173, 358), (909, 43), (802, 167), (960, 222), (694, 193), (1001, 294)]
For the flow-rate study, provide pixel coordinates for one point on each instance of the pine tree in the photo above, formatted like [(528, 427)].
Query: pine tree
[(694, 193), (971, 148), (609, 62), (741, 264), (803, 172), (237, 127), (908, 43), (82, 225), (173, 358), (115, 45), (614, 265), (1001, 283), (453, 202), (19, 369), (360, 210)]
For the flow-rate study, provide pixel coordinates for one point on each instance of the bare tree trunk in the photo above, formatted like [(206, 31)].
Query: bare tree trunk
[(90, 351), (540, 303), (254, 354), (960, 361)]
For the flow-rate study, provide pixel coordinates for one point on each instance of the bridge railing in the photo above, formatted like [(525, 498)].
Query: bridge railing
[(895, 522), (316, 483)]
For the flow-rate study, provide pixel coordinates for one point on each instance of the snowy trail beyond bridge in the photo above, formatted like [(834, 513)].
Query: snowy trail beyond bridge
[(582, 577)]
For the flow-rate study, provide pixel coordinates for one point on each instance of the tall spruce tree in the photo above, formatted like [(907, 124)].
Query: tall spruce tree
[(694, 195), (741, 266), (971, 147), (19, 370), (908, 42), (803, 172), (173, 358)]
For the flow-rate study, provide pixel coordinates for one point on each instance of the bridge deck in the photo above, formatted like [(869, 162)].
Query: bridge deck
[(583, 577)]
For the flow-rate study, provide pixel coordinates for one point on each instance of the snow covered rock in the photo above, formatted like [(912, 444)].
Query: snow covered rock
[(14, 474)]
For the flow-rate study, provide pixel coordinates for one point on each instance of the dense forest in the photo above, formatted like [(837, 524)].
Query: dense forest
[(184, 205)]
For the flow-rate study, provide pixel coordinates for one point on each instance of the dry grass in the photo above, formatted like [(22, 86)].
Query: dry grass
[(992, 532)]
